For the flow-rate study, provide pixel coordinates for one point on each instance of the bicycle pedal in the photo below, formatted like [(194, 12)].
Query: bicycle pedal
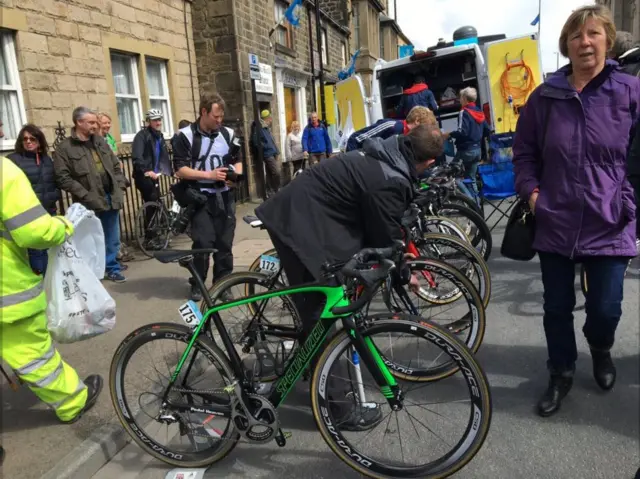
[(282, 436)]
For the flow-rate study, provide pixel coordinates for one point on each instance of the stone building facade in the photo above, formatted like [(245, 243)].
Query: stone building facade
[(117, 56), (226, 31), (626, 14)]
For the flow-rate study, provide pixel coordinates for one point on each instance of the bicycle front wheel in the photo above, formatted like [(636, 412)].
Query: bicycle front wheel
[(139, 380), (378, 450)]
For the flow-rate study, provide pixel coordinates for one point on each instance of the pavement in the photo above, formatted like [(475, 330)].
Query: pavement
[(36, 444), (595, 435)]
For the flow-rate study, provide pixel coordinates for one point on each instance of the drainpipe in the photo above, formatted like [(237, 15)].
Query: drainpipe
[(186, 34)]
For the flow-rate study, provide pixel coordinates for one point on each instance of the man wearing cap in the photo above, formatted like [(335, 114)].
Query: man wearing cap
[(269, 151), (150, 156)]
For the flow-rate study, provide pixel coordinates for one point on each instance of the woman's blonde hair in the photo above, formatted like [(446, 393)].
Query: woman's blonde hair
[(102, 113), (577, 20), (294, 123)]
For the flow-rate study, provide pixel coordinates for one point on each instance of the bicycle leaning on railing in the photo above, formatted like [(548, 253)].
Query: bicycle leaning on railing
[(156, 224)]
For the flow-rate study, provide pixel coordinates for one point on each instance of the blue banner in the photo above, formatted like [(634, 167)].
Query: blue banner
[(292, 14), (405, 51)]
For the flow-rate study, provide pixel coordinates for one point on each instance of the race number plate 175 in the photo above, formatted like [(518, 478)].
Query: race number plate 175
[(269, 264), (190, 314)]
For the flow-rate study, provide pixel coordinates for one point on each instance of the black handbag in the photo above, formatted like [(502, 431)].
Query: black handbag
[(518, 238), (520, 232)]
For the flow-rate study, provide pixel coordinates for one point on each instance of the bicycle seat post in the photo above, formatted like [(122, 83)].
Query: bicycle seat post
[(189, 265)]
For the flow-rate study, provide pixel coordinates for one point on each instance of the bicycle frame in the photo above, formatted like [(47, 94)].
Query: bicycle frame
[(302, 357)]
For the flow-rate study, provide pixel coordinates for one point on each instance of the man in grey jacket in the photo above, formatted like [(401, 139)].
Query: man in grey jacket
[(86, 167)]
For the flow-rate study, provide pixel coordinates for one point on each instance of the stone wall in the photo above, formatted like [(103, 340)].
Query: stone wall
[(227, 31), (338, 10), (63, 47)]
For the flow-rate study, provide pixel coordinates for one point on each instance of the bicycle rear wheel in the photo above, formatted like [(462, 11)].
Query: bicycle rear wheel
[(152, 228), (470, 414)]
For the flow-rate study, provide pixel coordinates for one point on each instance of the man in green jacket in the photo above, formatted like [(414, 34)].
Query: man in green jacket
[(86, 167)]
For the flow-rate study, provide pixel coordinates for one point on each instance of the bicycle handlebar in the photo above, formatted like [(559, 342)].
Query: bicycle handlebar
[(362, 266)]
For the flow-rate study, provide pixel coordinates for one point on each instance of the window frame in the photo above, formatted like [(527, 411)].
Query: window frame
[(283, 25), (324, 46), (164, 74), (345, 54), (9, 53), (135, 72), (355, 15)]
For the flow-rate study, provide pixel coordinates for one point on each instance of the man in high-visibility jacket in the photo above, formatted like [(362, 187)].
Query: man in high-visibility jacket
[(26, 344)]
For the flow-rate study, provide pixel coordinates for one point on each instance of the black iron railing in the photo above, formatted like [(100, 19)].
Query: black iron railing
[(132, 198)]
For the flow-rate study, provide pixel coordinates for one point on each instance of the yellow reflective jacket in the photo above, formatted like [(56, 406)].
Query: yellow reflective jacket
[(25, 224)]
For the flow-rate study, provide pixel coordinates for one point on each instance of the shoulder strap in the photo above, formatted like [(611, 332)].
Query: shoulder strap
[(226, 135), (196, 143)]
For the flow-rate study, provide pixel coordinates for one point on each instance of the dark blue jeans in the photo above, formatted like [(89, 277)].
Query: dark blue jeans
[(110, 220), (604, 305), (470, 160)]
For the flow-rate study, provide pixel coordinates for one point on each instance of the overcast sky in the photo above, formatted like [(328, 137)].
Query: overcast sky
[(424, 21)]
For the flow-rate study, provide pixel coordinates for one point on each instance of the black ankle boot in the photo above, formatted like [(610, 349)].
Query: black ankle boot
[(604, 371), (559, 387)]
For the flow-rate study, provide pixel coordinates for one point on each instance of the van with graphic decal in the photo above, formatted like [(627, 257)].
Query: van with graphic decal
[(503, 71)]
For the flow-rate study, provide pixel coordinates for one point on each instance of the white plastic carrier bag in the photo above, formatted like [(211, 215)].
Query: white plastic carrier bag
[(78, 305)]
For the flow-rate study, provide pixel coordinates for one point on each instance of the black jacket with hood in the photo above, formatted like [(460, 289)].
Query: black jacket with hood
[(344, 204), (143, 152)]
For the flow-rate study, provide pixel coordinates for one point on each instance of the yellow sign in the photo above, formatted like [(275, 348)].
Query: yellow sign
[(329, 104), (518, 81), (351, 91)]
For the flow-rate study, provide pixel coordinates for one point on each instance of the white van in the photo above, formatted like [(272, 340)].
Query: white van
[(447, 70)]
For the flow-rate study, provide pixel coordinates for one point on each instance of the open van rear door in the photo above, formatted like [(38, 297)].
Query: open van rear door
[(510, 63), (352, 108)]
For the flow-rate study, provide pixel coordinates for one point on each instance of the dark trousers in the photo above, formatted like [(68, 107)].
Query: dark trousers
[(604, 305), (470, 159), (316, 158), (310, 307), (38, 259), (147, 187), (213, 226), (272, 166), (635, 182)]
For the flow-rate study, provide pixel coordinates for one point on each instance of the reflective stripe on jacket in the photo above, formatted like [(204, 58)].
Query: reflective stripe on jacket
[(25, 224)]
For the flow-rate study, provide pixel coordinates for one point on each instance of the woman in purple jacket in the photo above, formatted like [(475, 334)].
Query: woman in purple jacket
[(570, 163)]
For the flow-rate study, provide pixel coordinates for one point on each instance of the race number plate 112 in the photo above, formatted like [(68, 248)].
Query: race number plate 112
[(269, 264), (190, 314)]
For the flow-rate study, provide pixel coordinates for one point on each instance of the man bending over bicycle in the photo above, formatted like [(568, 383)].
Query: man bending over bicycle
[(335, 209)]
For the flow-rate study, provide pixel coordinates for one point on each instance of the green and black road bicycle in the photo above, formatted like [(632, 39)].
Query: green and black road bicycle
[(212, 417)]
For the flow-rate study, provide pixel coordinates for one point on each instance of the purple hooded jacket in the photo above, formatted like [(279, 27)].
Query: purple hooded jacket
[(585, 206)]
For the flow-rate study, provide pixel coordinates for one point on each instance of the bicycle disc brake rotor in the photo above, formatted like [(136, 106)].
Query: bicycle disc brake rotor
[(259, 427)]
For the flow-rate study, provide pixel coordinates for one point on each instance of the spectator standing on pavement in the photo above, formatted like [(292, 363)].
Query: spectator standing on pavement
[(575, 183), (25, 343), (269, 151), (316, 144), (104, 122), (417, 95), (32, 157), (472, 130), (181, 124), (216, 159), (150, 157), (293, 147), (627, 52), (419, 115), (313, 221), (86, 167)]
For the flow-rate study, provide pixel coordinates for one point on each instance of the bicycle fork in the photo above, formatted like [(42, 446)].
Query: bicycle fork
[(367, 353)]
